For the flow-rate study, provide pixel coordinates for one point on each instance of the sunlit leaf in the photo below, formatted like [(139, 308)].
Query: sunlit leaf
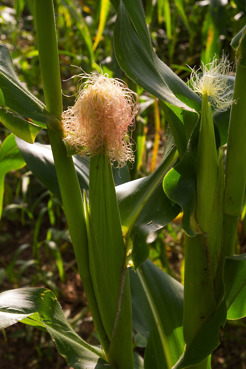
[(105, 6), (22, 128), (235, 286), (212, 42)]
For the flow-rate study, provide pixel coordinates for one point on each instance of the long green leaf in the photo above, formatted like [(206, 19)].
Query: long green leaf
[(157, 314), (136, 57), (19, 7), (16, 96), (135, 11), (41, 308)]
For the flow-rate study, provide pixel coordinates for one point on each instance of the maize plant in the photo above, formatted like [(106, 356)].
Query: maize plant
[(202, 175)]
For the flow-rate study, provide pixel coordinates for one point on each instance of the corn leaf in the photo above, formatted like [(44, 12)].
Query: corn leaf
[(19, 126), (157, 303), (16, 96), (179, 185), (221, 118), (136, 57), (40, 160), (39, 307), (135, 197)]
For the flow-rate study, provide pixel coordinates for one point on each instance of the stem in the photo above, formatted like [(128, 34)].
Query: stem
[(236, 154), (66, 174), (199, 296), (48, 55)]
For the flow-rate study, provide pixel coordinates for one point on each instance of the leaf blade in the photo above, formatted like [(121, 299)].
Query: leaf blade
[(24, 302)]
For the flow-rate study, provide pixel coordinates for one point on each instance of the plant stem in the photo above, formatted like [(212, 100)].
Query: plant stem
[(48, 55), (66, 174), (199, 297), (235, 178)]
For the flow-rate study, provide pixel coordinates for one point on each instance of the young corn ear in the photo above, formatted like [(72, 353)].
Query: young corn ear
[(99, 120), (107, 254), (203, 254), (212, 81), (207, 167), (212, 85), (97, 125)]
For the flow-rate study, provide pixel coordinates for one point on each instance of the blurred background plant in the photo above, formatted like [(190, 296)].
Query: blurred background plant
[(34, 242)]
